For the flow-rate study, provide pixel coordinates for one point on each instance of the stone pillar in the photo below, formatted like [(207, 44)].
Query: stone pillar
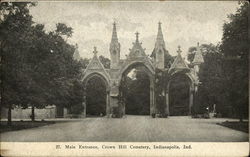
[(167, 103), (191, 100), (152, 98), (84, 106), (107, 103), (167, 98), (84, 103), (113, 104)]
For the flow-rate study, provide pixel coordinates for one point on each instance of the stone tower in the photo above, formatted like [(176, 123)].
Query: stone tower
[(114, 49), (159, 49)]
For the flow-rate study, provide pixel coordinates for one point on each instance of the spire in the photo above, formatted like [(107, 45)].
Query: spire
[(198, 58), (114, 33), (114, 49), (159, 37)]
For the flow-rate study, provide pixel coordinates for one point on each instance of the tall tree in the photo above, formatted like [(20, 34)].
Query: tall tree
[(33, 74), (235, 48), (211, 78), (14, 28)]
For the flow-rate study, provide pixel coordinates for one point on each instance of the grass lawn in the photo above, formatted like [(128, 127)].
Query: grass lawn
[(19, 125), (240, 126)]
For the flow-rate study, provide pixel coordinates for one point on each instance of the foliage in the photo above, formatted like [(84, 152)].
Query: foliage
[(34, 74), (63, 29), (224, 73), (136, 93), (235, 49), (168, 60), (205, 49), (84, 62), (211, 77), (105, 61)]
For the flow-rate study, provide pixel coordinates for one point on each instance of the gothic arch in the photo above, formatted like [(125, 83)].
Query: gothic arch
[(87, 77), (105, 80), (191, 90), (118, 67), (149, 71), (188, 75)]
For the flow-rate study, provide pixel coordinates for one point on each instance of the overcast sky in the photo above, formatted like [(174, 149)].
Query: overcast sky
[(183, 23)]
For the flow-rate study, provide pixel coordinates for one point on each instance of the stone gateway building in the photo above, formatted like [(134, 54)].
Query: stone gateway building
[(160, 75)]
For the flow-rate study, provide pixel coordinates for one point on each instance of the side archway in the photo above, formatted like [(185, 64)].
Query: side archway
[(185, 108), (95, 76)]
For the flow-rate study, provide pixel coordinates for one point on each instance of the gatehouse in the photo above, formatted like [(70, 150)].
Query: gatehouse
[(161, 76)]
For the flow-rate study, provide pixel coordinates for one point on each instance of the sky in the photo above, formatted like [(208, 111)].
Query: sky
[(184, 23)]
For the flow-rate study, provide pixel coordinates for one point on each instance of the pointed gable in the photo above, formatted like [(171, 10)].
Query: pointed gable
[(137, 50), (95, 63), (179, 62)]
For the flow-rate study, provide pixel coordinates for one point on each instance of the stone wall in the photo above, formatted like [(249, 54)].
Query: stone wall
[(19, 113)]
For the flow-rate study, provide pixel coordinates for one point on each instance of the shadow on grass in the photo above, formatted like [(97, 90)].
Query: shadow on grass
[(240, 126)]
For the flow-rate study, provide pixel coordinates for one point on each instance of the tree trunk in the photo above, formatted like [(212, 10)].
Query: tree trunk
[(9, 115), (33, 113)]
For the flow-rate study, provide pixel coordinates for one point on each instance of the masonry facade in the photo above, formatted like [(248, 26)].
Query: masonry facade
[(154, 67)]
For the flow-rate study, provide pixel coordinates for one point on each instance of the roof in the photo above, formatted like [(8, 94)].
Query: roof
[(179, 63)]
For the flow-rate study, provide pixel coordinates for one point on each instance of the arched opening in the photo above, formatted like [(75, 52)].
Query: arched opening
[(135, 90), (96, 96), (179, 95)]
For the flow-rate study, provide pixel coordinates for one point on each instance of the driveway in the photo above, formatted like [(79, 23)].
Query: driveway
[(130, 129)]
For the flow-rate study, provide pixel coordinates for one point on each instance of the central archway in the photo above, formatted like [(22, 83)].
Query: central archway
[(136, 89)]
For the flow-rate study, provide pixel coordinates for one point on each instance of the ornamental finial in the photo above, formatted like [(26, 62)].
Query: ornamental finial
[(95, 51), (179, 50), (137, 36)]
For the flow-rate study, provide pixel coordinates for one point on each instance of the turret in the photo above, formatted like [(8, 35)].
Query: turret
[(159, 49), (198, 59), (114, 49), (76, 54)]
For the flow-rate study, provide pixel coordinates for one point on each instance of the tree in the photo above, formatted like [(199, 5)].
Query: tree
[(84, 62), (105, 61), (211, 78), (135, 91), (14, 28), (34, 74), (205, 49), (235, 49), (63, 29)]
